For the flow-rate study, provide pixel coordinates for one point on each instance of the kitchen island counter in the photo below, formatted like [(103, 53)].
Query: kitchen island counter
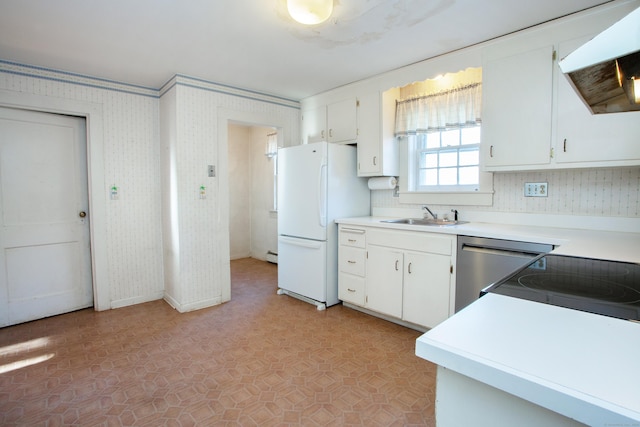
[(577, 364)]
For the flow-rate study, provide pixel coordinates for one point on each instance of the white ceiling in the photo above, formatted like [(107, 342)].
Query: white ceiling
[(254, 44)]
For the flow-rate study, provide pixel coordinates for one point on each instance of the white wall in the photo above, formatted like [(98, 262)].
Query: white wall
[(598, 192), (158, 178), (240, 194), (203, 113), (129, 158)]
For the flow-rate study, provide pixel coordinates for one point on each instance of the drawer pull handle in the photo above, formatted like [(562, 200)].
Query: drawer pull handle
[(351, 262), (351, 290), (352, 240), (352, 230)]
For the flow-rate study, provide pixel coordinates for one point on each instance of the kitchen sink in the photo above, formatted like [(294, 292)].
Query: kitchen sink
[(425, 221)]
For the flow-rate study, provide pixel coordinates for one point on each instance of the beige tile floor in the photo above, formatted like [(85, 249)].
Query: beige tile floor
[(260, 359)]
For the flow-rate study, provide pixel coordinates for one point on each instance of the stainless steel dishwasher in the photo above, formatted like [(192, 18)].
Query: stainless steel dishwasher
[(483, 261)]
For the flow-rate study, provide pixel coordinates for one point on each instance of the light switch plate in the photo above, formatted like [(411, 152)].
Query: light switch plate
[(211, 171), (536, 189)]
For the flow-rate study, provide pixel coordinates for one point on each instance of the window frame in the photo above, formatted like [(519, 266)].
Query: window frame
[(483, 196), (421, 147)]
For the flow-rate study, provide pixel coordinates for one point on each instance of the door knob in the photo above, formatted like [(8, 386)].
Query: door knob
[(82, 214)]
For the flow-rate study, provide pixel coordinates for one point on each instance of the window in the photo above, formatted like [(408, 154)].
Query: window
[(446, 160), (271, 151), (443, 130), (440, 137)]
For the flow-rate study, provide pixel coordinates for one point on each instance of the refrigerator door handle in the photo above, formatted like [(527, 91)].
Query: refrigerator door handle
[(312, 244), (322, 195)]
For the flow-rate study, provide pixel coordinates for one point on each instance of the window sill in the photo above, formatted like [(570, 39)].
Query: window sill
[(470, 198)]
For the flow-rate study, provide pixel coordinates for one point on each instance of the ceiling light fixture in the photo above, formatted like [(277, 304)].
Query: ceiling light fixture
[(310, 12)]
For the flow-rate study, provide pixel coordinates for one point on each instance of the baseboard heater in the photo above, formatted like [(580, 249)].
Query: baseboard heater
[(272, 257)]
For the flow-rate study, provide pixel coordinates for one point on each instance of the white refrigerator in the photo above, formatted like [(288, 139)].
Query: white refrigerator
[(317, 183)]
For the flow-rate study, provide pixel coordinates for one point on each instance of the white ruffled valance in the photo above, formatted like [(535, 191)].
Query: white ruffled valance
[(455, 108)]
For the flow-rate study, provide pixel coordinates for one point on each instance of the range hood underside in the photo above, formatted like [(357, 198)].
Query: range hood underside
[(598, 85)]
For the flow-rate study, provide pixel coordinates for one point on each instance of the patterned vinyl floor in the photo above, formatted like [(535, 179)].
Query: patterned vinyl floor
[(258, 360)]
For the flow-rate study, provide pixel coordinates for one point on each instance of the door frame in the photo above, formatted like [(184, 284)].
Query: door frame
[(244, 118), (92, 112)]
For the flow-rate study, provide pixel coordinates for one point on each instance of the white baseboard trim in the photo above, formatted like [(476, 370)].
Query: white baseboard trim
[(385, 317), (136, 300), (184, 308)]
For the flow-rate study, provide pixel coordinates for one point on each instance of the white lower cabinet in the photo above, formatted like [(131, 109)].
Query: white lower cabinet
[(407, 275), (427, 286), (351, 265), (384, 280)]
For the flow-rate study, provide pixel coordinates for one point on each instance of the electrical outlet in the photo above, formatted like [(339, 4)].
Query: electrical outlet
[(536, 189)]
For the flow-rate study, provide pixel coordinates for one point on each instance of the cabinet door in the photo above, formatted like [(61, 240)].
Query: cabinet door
[(384, 280), (427, 283), (378, 150), (585, 137), (341, 121), (369, 155), (516, 109), (314, 125)]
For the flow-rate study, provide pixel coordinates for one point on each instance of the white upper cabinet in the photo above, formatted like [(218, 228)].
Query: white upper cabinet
[(532, 118), (592, 139), (342, 121), (335, 122), (377, 147), (314, 125), (516, 108)]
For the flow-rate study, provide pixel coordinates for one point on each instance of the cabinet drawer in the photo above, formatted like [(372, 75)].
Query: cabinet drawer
[(351, 260), (351, 289), (352, 237)]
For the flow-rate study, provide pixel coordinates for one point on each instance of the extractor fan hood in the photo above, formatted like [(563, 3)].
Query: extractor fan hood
[(606, 70)]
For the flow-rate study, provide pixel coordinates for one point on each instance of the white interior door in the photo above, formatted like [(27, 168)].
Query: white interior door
[(45, 260)]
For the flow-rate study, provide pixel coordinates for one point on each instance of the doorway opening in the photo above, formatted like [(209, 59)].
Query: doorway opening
[(252, 166), (268, 123)]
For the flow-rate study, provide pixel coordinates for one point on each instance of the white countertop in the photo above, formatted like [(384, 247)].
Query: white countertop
[(582, 365), (609, 245), (578, 364)]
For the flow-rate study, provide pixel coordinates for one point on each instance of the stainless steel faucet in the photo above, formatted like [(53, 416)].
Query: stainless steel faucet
[(435, 216)]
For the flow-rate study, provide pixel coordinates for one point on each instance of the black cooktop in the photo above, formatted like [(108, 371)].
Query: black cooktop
[(609, 288)]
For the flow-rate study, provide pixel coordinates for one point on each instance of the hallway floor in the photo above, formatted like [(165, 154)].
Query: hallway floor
[(260, 359)]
